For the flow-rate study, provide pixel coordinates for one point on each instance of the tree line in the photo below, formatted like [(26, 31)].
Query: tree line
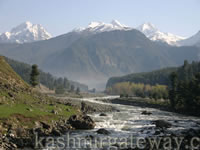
[(32, 75), (152, 78), (184, 89), (181, 86), (126, 89)]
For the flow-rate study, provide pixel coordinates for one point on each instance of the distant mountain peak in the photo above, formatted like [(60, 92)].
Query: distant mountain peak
[(147, 27), (154, 34), (116, 23), (96, 27), (193, 40), (94, 24), (25, 32)]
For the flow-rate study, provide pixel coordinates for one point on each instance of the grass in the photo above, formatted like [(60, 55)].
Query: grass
[(22, 106), (14, 113), (8, 110), (35, 111)]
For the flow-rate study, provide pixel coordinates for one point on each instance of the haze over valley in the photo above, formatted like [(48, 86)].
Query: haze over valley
[(93, 54)]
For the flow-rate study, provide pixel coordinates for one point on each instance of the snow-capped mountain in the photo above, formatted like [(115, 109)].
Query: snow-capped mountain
[(154, 34), (148, 29), (25, 32), (193, 40), (97, 27)]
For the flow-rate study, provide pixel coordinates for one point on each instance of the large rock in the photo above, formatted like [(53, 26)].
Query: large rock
[(102, 114), (146, 113), (81, 122), (103, 131), (162, 124)]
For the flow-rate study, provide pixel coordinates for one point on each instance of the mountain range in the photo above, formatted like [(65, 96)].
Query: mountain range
[(93, 54), (154, 34), (148, 29), (28, 32), (25, 33)]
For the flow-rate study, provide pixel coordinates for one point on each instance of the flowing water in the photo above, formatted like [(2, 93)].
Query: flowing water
[(128, 122)]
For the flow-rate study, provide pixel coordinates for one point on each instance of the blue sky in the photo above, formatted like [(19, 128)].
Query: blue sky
[(181, 17)]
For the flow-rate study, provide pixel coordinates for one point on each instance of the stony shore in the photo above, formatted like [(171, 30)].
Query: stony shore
[(135, 101), (87, 107), (19, 138)]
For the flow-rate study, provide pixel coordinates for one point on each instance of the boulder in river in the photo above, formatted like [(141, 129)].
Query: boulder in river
[(81, 122), (103, 131), (146, 113), (102, 114), (162, 124)]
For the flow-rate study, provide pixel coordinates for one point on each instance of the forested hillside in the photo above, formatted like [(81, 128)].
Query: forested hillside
[(184, 90), (24, 70), (180, 85), (93, 58), (152, 78)]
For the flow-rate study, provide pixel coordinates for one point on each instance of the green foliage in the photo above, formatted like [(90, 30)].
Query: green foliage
[(126, 89), (173, 89), (20, 105), (34, 75), (72, 88), (78, 90), (24, 71), (60, 90), (184, 91), (155, 77)]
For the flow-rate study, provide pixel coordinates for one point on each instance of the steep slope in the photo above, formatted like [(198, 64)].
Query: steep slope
[(154, 34), (94, 58), (46, 79), (194, 40), (37, 52), (25, 33), (21, 106), (24, 111), (8, 78)]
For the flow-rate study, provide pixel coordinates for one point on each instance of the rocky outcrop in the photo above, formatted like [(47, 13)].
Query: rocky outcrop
[(81, 122), (18, 138)]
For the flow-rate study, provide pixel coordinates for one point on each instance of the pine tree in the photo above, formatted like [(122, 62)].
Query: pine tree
[(186, 71), (173, 89), (72, 88), (34, 76), (60, 90), (78, 90), (66, 84)]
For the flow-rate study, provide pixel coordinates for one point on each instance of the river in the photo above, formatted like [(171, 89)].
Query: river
[(128, 122)]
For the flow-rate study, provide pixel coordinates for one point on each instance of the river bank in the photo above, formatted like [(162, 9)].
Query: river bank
[(129, 121), (90, 106), (110, 120), (14, 136), (140, 102), (148, 103)]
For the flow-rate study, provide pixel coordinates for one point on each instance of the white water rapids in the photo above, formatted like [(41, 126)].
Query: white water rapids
[(129, 121)]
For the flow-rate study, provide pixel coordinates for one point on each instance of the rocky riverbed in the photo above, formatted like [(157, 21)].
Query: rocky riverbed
[(87, 106), (18, 138), (99, 120)]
